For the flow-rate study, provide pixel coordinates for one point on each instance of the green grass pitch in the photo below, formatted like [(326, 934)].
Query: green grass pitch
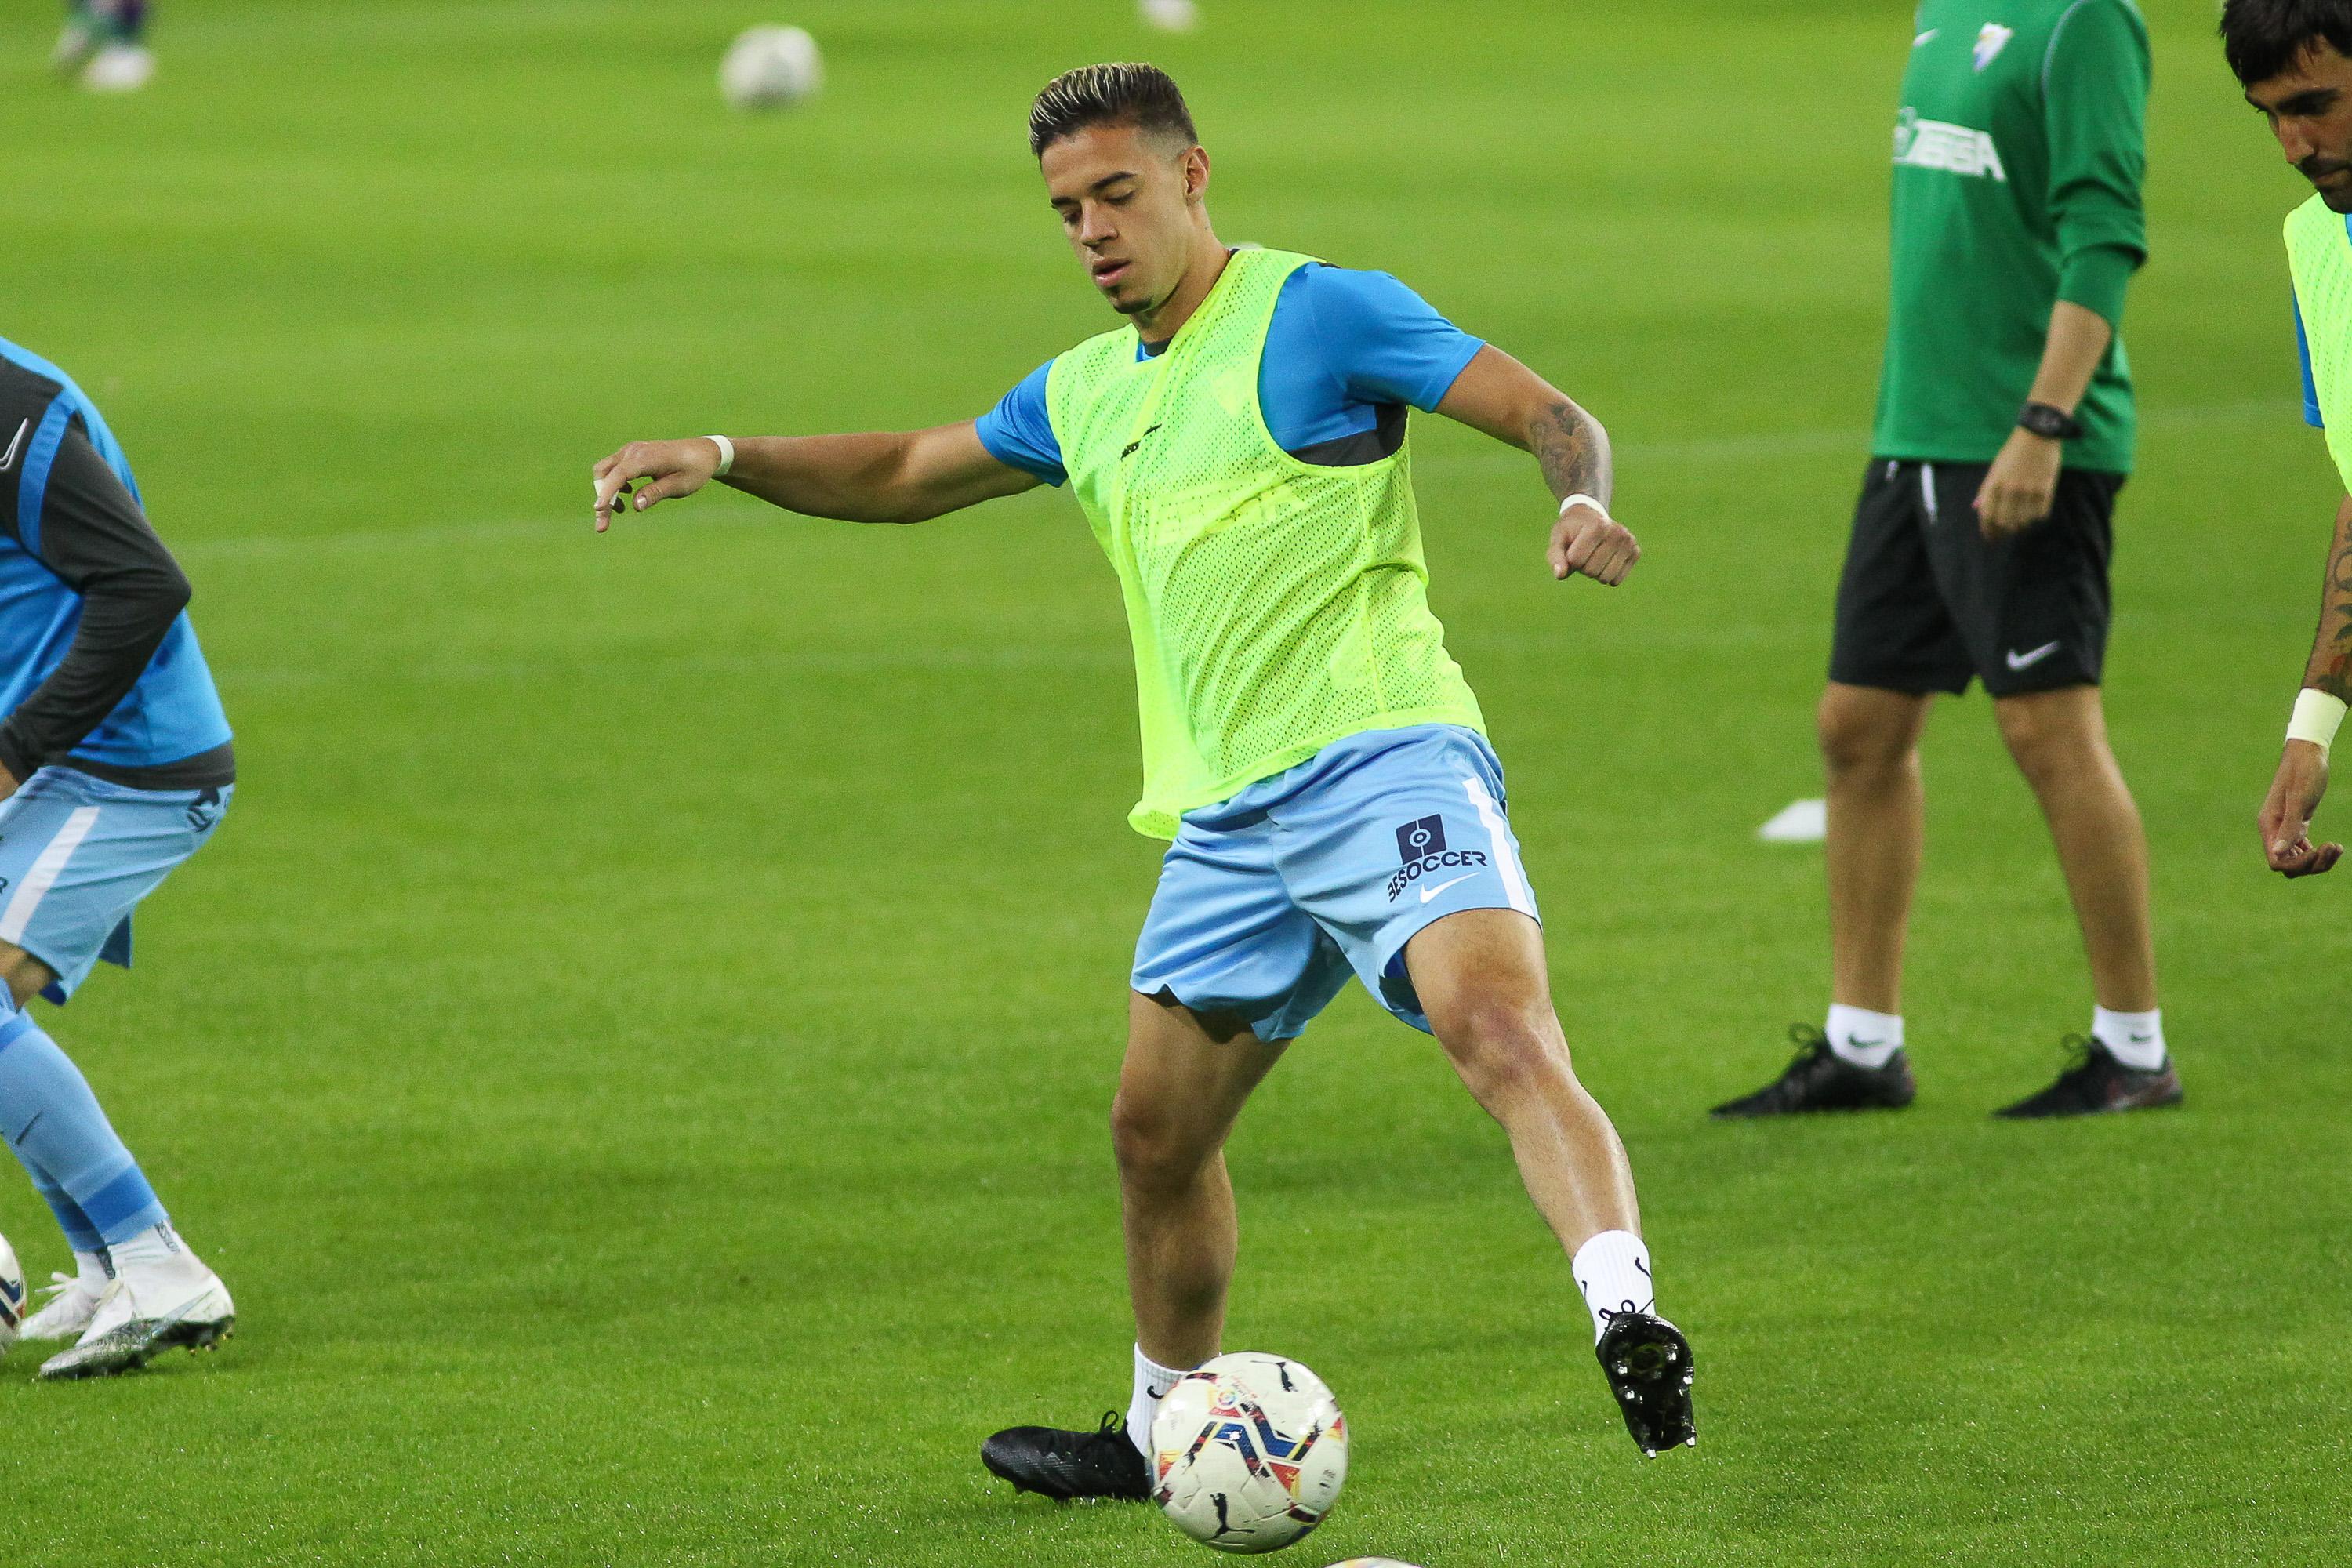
[(640, 1048)]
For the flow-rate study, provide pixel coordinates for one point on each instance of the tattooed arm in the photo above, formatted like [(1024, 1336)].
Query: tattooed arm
[(2330, 669), (2302, 780), (1499, 395)]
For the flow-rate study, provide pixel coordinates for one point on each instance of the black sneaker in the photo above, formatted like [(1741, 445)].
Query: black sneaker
[(1820, 1079), (1648, 1365), (2095, 1082), (1065, 1465)]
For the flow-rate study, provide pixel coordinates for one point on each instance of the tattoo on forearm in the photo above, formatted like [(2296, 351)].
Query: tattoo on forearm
[(2331, 653), (1574, 452)]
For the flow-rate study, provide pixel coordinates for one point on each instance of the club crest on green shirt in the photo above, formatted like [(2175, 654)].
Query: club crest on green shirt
[(1991, 41)]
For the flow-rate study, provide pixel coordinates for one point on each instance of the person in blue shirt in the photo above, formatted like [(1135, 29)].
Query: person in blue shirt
[(116, 765)]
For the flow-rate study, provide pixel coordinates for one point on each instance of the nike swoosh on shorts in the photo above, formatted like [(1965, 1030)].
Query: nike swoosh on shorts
[(15, 445), (1429, 893), (2027, 660)]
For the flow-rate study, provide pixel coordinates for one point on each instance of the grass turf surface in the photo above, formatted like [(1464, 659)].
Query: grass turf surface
[(639, 1049)]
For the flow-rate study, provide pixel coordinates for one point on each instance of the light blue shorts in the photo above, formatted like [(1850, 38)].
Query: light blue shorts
[(77, 854), (1269, 900)]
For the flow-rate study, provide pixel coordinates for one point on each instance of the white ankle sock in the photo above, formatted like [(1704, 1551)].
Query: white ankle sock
[(91, 1272), (1866, 1039), (2136, 1039), (155, 1250), (1152, 1383), (1613, 1270)]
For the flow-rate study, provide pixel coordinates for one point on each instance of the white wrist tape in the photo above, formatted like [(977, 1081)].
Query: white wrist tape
[(1581, 499), (2317, 717), (726, 455)]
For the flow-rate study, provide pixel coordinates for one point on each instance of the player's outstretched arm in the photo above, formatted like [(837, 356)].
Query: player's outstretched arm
[(2302, 780), (901, 476), (1497, 394)]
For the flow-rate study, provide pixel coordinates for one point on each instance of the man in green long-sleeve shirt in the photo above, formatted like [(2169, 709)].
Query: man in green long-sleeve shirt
[(2005, 432)]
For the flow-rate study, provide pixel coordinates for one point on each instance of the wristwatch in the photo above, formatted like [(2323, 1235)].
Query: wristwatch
[(2050, 422)]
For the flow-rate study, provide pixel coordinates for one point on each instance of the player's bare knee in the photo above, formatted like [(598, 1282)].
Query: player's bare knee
[(1502, 1048), (1862, 742), (1157, 1149), (2050, 745)]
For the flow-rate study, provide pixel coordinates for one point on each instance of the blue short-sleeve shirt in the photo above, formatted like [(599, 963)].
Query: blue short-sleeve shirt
[(1347, 353)]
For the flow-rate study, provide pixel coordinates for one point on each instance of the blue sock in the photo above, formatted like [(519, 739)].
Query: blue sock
[(52, 1121), (80, 1235)]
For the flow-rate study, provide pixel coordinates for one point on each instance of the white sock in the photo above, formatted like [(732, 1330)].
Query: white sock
[(1613, 1270), (1865, 1038), (1152, 1383), (92, 1271), (155, 1250), (2136, 1039)]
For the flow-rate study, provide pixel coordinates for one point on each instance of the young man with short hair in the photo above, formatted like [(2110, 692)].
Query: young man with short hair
[(2293, 57), (1310, 748), (1981, 543)]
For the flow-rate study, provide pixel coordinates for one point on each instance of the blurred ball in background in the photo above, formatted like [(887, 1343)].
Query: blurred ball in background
[(770, 68), (1170, 16)]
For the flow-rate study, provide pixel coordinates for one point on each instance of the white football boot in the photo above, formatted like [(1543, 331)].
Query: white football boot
[(66, 1311), (150, 1305), (119, 67)]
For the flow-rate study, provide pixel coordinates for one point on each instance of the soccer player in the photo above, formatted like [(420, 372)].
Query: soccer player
[(2294, 59), (116, 765), (105, 41), (2005, 432), (1317, 758)]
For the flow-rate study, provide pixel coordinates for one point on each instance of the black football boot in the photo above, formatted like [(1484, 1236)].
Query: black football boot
[(2095, 1083), (1820, 1079), (1067, 1465), (1648, 1365)]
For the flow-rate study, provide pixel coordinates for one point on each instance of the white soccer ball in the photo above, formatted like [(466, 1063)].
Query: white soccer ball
[(1248, 1453), (1170, 16), (770, 67), (12, 1296)]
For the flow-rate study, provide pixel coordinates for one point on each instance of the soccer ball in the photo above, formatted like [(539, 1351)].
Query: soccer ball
[(1170, 16), (1248, 1453), (12, 1296), (770, 67)]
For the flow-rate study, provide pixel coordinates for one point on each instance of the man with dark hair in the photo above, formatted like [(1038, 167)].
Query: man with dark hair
[(1141, 96), (2295, 60), (1980, 547), (1310, 748)]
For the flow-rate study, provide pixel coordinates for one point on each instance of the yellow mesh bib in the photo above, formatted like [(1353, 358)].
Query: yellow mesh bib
[(1275, 607), (2319, 250)]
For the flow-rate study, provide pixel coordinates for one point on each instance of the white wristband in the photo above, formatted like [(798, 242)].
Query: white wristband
[(1581, 499), (2317, 717), (726, 455)]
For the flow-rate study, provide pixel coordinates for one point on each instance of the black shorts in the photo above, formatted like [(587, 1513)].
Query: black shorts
[(1926, 602)]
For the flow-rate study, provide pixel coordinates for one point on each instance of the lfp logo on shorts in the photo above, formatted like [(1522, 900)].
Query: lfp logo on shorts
[(1422, 846)]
